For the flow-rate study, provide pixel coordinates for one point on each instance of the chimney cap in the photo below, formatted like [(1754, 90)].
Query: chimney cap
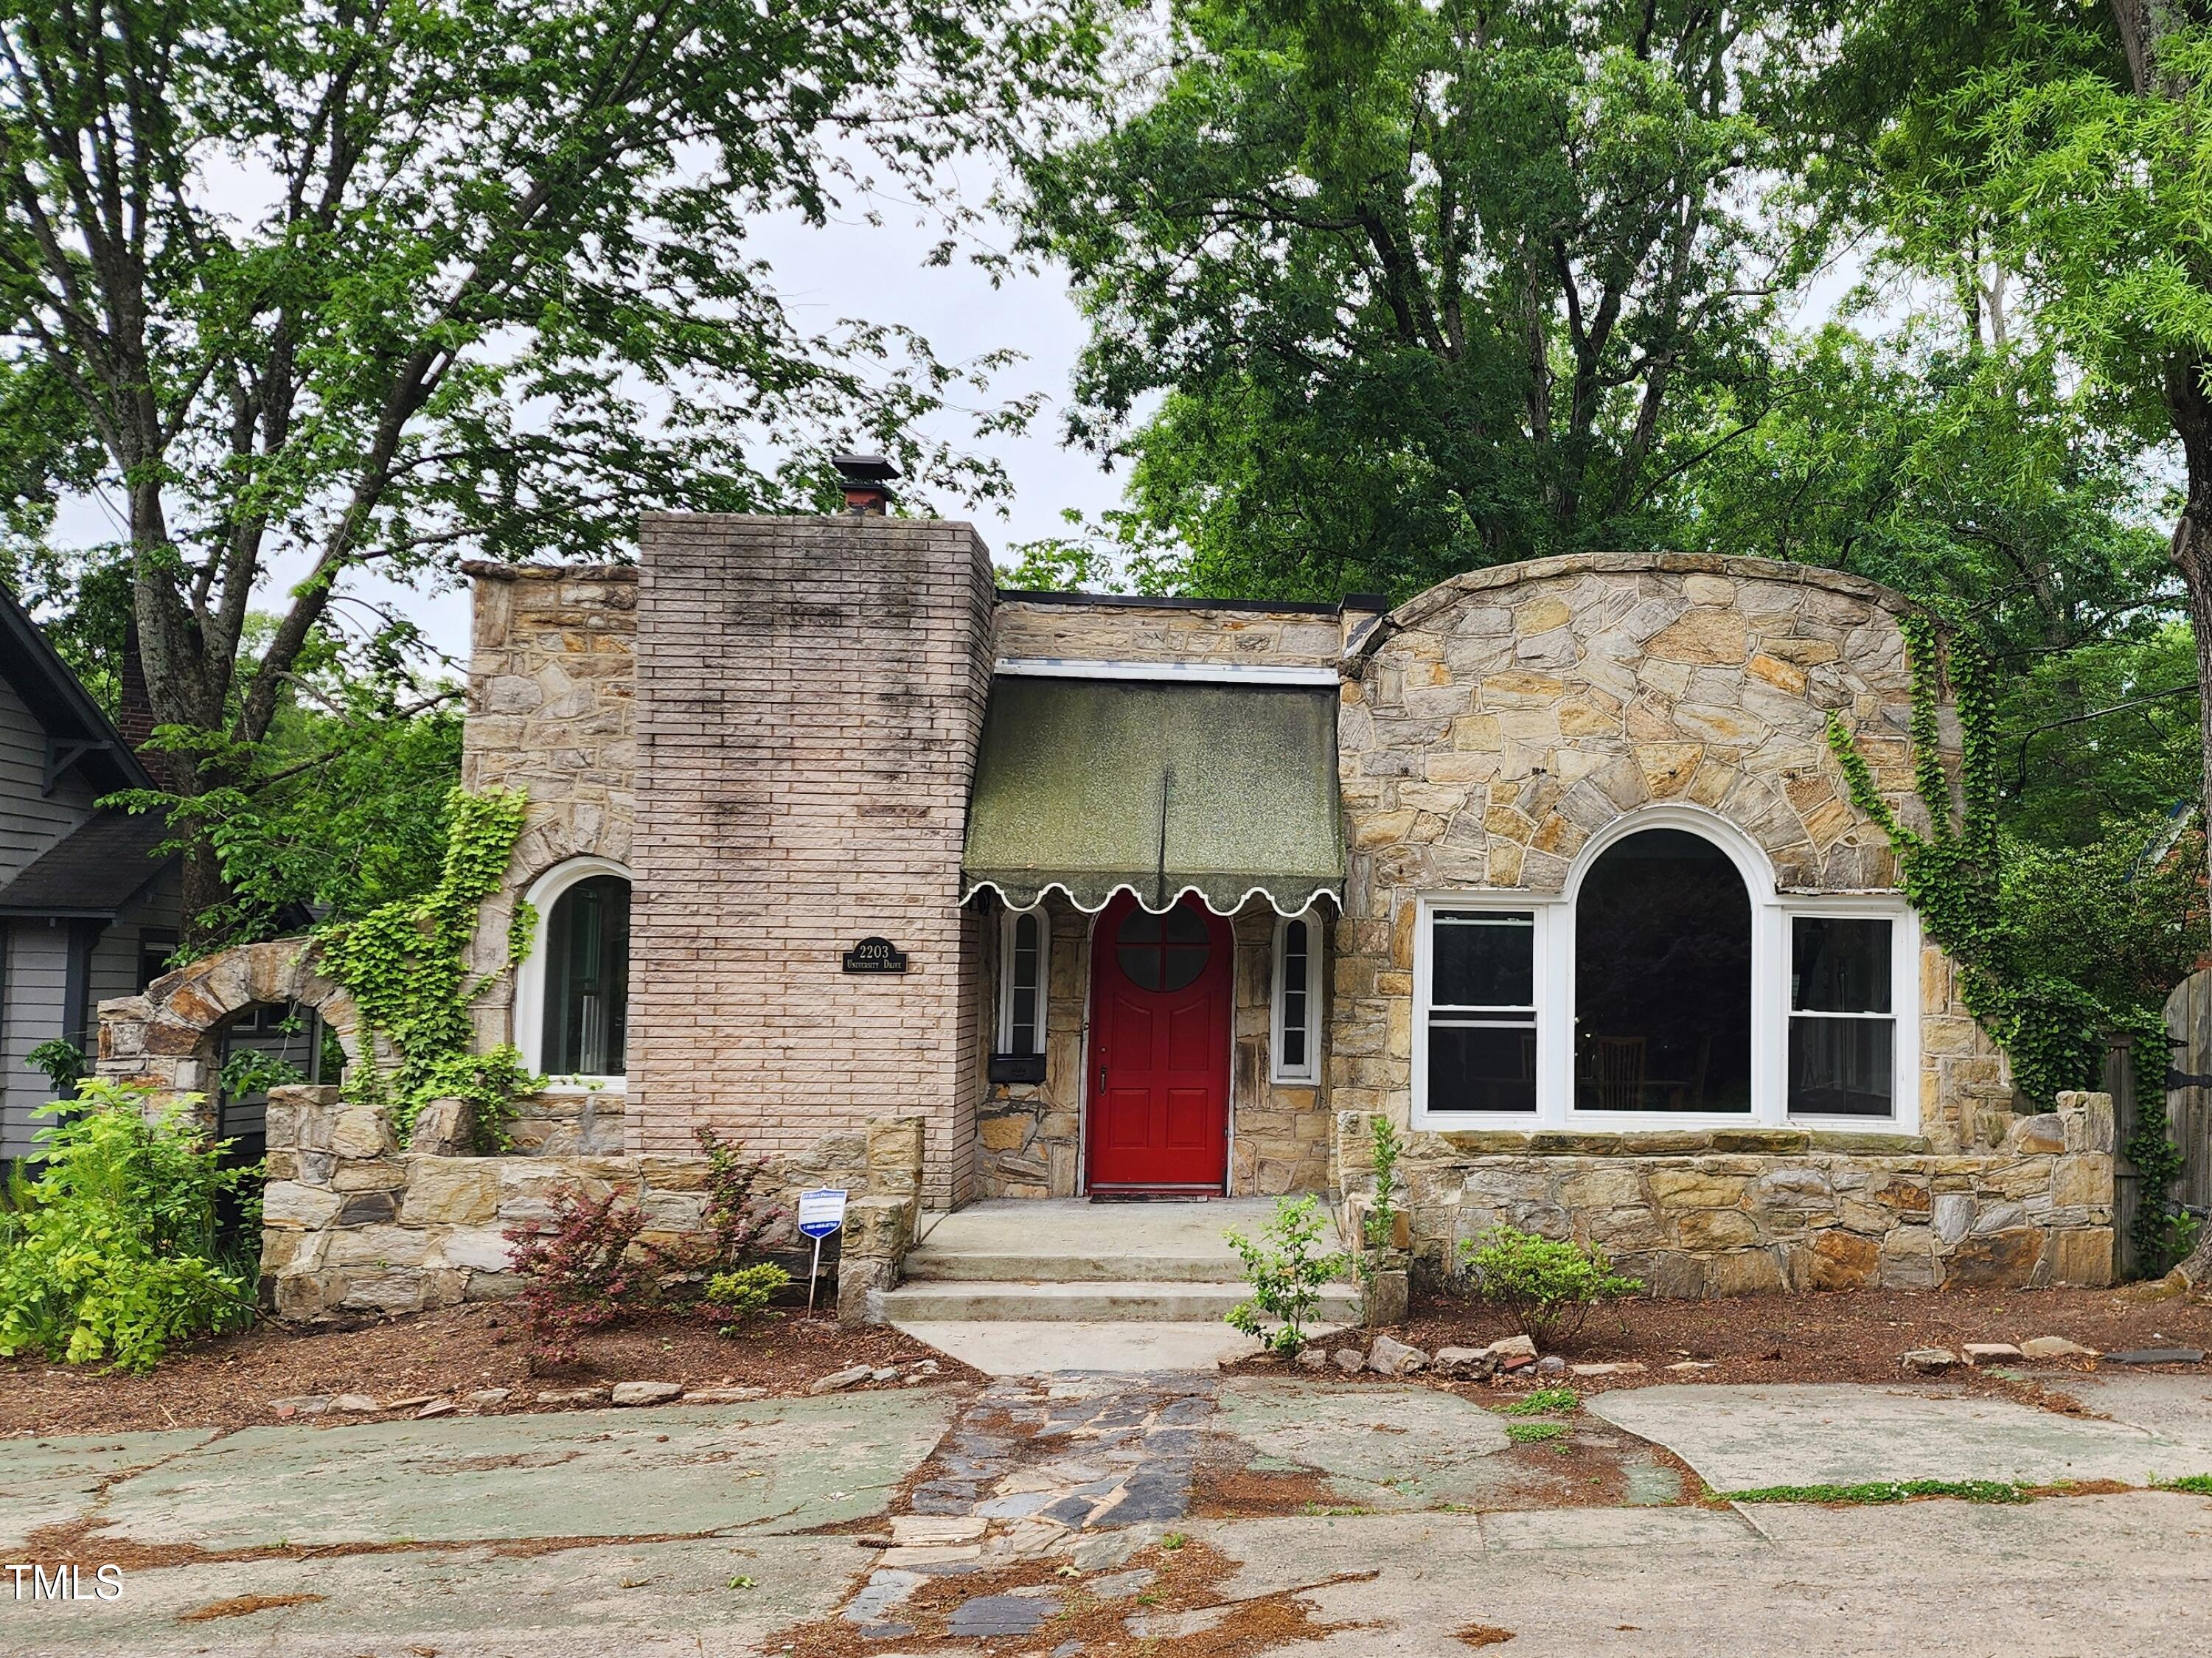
[(864, 469)]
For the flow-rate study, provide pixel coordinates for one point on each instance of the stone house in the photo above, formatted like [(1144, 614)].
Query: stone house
[(1551, 866)]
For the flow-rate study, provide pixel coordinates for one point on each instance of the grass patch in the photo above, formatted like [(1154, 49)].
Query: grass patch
[(1543, 1401), (1884, 1491), (2198, 1484), (1528, 1433)]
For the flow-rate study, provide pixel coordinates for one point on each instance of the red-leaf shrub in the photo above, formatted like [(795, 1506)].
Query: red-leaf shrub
[(587, 1272)]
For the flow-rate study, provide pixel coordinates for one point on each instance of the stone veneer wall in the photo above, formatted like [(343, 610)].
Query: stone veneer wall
[(1029, 1136), (811, 696), (552, 688), (1089, 630), (1734, 1211), (1492, 725), (353, 1225)]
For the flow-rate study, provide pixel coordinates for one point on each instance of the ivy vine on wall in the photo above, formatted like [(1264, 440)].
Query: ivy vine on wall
[(405, 965), (2053, 1030)]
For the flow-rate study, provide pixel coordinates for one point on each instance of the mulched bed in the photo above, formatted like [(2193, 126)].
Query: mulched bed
[(1840, 1335), (227, 1382)]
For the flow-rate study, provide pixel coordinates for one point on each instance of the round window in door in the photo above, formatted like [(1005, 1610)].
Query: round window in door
[(1162, 952)]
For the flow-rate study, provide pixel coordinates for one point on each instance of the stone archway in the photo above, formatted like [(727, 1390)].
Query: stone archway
[(165, 1040)]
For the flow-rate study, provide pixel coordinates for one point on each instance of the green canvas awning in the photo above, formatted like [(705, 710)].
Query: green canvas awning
[(1091, 786)]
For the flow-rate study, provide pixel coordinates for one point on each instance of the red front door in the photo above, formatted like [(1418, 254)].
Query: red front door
[(1159, 1047)]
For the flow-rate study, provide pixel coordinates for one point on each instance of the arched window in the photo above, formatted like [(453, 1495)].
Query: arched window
[(1663, 979), (1671, 982), (572, 1012)]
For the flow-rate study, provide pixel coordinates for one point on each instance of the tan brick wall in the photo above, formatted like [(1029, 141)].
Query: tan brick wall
[(1123, 632), (552, 690), (811, 694)]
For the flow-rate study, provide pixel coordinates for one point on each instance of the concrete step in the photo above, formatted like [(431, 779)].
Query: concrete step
[(934, 1264), (1095, 1299)]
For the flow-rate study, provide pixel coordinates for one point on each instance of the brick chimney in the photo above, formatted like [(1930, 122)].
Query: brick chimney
[(868, 480), (134, 714)]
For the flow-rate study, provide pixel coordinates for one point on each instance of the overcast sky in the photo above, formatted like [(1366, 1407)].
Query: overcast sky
[(876, 273)]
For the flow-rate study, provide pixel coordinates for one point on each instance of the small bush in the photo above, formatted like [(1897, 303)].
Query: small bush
[(1285, 1275), (1531, 1433), (733, 1298), (1547, 1284), (587, 1272), (110, 1252)]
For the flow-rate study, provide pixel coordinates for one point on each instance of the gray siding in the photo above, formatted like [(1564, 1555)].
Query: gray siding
[(37, 970), (30, 822)]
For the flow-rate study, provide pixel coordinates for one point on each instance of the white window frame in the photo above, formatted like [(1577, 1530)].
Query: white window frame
[(1772, 913), (530, 974), (1008, 922), (1308, 1074)]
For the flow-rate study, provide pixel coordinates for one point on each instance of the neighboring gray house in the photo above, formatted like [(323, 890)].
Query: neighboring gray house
[(86, 910)]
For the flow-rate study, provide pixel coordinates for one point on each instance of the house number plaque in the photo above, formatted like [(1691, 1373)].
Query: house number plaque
[(875, 956)]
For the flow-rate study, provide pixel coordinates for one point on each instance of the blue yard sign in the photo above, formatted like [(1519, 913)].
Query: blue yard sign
[(821, 1212)]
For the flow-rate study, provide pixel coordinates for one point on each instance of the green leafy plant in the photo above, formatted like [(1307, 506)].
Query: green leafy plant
[(1286, 1273), (1379, 1228), (734, 1298), (1547, 1284), (406, 965), (63, 1062), (1543, 1401), (111, 1252), (249, 1070), (1531, 1433)]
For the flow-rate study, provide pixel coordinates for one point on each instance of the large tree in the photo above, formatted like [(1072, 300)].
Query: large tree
[(349, 283), (1379, 292)]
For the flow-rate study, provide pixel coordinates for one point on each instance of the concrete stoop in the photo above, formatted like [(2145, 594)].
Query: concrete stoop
[(1024, 1287)]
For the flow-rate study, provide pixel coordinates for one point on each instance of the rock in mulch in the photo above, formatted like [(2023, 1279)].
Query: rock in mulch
[(1313, 1359), (486, 1396), (2158, 1356), (1349, 1359), (645, 1393), (570, 1395), (1990, 1352), (2054, 1347), (1623, 1367), (436, 1407), (838, 1381), (722, 1395), (1514, 1353), (1464, 1363), (1551, 1364), (300, 1405), (1391, 1357), (1929, 1360), (362, 1403)]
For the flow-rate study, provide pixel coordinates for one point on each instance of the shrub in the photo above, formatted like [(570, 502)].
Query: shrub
[(733, 1298), (587, 1272), (110, 1252), (741, 1222), (1285, 1275), (1549, 1285)]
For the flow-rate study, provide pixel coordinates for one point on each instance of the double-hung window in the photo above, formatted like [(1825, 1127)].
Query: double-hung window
[(1479, 1036), (1296, 1038), (1843, 1017)]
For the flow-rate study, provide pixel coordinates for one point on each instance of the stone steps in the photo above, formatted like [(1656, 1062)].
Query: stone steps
[(938, 1265), (1096, 1300)]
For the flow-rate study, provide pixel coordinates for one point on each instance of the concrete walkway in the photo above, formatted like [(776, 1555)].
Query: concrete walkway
[(713, 1530)]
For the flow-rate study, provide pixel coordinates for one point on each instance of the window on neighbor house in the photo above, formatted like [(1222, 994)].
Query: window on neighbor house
[(587, 979), (1843, 1025), (1296, 1041), (1025, 950), (156, 946), (1478, 1008)]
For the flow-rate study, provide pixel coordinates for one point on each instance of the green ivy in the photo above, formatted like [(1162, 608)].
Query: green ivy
[(405, 964), (2054, 1032)]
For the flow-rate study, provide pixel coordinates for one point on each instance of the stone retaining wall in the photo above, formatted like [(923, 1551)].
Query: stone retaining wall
[(1734, 1211), (352, 1224)]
